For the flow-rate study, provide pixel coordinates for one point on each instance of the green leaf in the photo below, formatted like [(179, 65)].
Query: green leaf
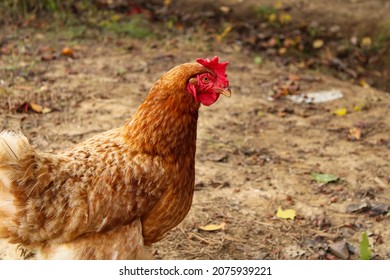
[(135, 27), (365, 252), (258, 59), (323, 177)]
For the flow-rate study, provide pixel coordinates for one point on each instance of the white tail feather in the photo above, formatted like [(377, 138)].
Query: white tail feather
[(12, 147), (12, 144)]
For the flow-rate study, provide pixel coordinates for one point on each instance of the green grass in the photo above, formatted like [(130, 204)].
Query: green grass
[(20, 9), (136, 27)]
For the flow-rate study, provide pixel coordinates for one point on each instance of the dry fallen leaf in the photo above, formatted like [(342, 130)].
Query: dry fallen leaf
[(364, 84), (23, 108), (23, 87), (282, 51), (39, 109), (67, 51), (285, 18), (278, 5), (366, 42), (36, 107), (224, 33), (47, 57), (318, 43), (288, 87), (272, 18), (294, 77), (358, 108), (46, 110), (224, 9), (212, 227), (285, 214), (4, 91), (116, 18), (355, 133)]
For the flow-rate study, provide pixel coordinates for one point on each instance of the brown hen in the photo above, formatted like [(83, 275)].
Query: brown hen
[(118, 192)]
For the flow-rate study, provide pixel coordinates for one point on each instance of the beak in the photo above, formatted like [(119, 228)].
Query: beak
[(225, 91)]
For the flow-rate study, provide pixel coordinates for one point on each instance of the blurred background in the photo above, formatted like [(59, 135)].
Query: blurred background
[(349, 39)]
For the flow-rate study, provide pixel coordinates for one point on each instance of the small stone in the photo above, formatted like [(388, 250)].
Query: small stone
[(352, 250), (357, 207), (335, 29), (330, 257), (379, 209), (218, 156), (347, 232), (340, 249)]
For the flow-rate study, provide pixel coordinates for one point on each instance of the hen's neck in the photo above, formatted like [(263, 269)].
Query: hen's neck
[(164, 125)]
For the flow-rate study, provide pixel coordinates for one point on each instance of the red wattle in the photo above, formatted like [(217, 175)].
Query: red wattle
[(208, 98)]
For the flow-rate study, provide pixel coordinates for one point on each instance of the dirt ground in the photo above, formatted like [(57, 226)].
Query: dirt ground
[(254, 154)]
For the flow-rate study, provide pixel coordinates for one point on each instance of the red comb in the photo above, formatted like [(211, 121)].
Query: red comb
[(219, 68)]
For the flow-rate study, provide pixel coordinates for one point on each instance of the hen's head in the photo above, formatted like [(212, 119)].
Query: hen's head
[(206, 87)]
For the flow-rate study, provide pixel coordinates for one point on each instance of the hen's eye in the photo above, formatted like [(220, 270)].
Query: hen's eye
[(205, 79)]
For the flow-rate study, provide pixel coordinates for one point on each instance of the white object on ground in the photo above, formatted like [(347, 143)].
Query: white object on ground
[(317, 97)]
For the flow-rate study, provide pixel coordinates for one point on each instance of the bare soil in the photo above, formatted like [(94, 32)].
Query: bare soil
[(254, 154)]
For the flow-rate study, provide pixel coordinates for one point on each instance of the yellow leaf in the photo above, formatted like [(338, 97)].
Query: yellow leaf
[(285, 18), (288, 42), (278, 4), (116, 17), (285, 214), (272, 18), (363, 83), (224, 33), (318, 43), (212, 227), (358, 108), (366, 42), (282, 51), (341, 112), (224, 9)]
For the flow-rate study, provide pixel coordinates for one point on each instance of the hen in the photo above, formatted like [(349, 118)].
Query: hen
[(118, 192)]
